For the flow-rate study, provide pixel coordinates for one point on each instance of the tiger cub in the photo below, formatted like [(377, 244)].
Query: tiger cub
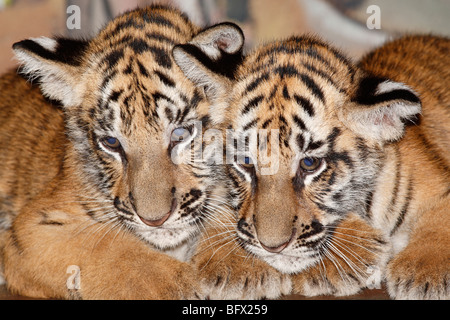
[(93, 204), (340, 175)]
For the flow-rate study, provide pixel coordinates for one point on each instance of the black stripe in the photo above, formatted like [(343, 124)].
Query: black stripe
[(404, 210), (395, 190), (323, 75), (334, 157), (121, 206), (158, 95), (251, 124), (252, 104), (45, 220), (307, 45), (107, 79), (160, 38), (368, 204), (286, 92), (299, 122), (300, 141), (305, 104), (315, 145), (115, 95), (160, 21), (327, 209), (287, 71), (161, 56), (255, 83), (266, 123), (133, 22), (138, 45), (112, 58), (142, 69), (165, 79), (242, 225), (331, 139), (311, 84), (169, 114)]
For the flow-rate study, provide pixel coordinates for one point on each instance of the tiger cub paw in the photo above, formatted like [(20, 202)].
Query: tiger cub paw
[(419, 273), (236, 277), (352, 259)]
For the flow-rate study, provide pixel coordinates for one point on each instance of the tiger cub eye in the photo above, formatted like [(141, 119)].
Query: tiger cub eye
[(310, 164), (111, 143)]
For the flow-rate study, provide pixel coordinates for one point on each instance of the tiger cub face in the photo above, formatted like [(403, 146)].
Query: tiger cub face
[(131, 116), (308, 132)]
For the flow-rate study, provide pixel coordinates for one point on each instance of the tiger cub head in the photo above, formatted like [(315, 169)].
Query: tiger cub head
[(131, 117), (308, 129)]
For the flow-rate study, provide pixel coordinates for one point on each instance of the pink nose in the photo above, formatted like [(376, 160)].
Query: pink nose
[(160, 222), (281, 247)]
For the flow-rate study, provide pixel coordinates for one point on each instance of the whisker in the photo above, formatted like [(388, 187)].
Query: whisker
[(355, 237), (232, 239), (358, 245), (357, 270)]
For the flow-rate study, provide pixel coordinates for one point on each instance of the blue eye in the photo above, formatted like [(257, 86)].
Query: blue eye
[(180, 134), (310, 164), (111, 143), (247, 164)]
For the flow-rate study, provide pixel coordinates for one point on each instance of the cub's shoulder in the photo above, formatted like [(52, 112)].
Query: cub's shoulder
[(416, 60), (19, 96), (422, 63)]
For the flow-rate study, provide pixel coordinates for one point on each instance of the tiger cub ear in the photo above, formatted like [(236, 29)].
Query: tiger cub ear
[(381, 109), (210, 60), (54, 63)]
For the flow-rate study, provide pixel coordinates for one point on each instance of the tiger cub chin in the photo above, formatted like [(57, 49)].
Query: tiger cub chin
[(91, 197), (340, 174)]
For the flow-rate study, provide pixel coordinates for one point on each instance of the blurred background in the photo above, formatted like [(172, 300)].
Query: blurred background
[(355, 26)]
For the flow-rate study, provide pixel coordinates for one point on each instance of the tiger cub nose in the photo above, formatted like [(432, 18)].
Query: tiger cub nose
[(160, 222), (281, 247)]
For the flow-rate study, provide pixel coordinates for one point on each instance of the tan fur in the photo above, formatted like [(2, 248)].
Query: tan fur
[(66, 199)]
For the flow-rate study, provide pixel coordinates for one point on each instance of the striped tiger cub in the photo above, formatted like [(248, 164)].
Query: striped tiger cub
[(342, 178), (92, 203)]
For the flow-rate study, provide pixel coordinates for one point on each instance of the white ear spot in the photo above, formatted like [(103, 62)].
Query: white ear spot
[(387, 86), (47, 43)]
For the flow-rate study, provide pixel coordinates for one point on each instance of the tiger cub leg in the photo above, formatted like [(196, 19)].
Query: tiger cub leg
[(422, 269), (227, 271), (59, 253), (352, 258)]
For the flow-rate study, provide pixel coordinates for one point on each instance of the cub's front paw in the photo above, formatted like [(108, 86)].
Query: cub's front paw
[(419, 273), (351, 259), (235, 276)]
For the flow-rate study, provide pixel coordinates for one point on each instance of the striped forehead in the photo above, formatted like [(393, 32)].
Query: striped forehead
[(139, 80), (152, 100), (294, 90)]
